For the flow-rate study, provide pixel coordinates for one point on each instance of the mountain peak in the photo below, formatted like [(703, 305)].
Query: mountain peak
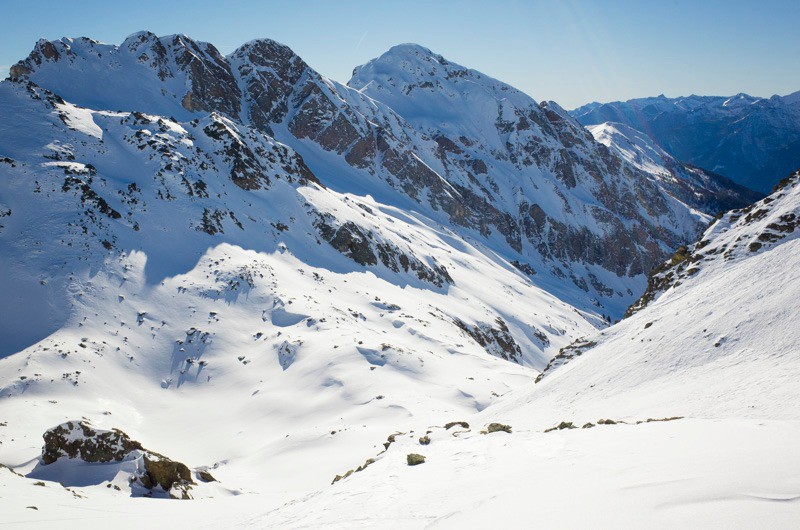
[(409, 49), (411, 62), (264, 44)]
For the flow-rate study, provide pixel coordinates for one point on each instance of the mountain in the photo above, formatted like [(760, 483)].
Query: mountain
[(184, 279), (541, 193), (698, 188), (568, 195), (748, 139), (257, 273)]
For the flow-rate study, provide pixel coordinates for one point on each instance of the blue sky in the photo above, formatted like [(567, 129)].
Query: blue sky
[(569, 51)]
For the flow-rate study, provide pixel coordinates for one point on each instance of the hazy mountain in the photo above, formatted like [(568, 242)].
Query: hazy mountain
[(748, 139)]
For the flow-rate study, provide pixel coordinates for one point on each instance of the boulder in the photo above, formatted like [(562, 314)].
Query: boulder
[(81, 440)]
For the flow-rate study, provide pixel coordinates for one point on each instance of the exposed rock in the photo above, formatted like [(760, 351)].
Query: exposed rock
[(764, 223), (414, 459), (360, 468), (367, 249), (205, 476), (497, 341), (79, 439), (561, 426), (164, 472), (565, 355), (497, 427)]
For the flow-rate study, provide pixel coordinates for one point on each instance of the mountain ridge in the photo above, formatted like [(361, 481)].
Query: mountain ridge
[(746, 138), (379, 153)]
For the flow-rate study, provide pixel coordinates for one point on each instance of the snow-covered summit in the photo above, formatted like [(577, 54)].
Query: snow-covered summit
[(531, 158)]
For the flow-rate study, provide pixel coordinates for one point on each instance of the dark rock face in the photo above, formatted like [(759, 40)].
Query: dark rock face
[(366, 249), (350, 240), (250, 169), (165, 473), (269, 72), (495, 340), (213, 86)]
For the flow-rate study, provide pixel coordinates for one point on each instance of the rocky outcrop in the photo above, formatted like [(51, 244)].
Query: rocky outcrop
[(251, 162), (736, 234), (80, 440), (367, 249), (565, 355), (495, 340)]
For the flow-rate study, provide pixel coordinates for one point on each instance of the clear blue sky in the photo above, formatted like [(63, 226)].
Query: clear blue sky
[(569, 51)]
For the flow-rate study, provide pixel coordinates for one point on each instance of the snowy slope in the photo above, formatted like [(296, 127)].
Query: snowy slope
[(174, 278), (701, 189), (748, 139), (713, 356), (255, 270)]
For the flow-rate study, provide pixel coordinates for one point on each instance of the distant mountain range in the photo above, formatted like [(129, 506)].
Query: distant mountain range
[(752, 141)]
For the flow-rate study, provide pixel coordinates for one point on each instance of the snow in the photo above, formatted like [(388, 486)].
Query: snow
[(634, 146), (299, 341), (216, 325)]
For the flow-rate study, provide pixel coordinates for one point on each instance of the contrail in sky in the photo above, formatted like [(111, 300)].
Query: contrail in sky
[(361, 40)]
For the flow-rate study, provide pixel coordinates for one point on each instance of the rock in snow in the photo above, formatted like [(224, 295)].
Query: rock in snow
[(152, 472)]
